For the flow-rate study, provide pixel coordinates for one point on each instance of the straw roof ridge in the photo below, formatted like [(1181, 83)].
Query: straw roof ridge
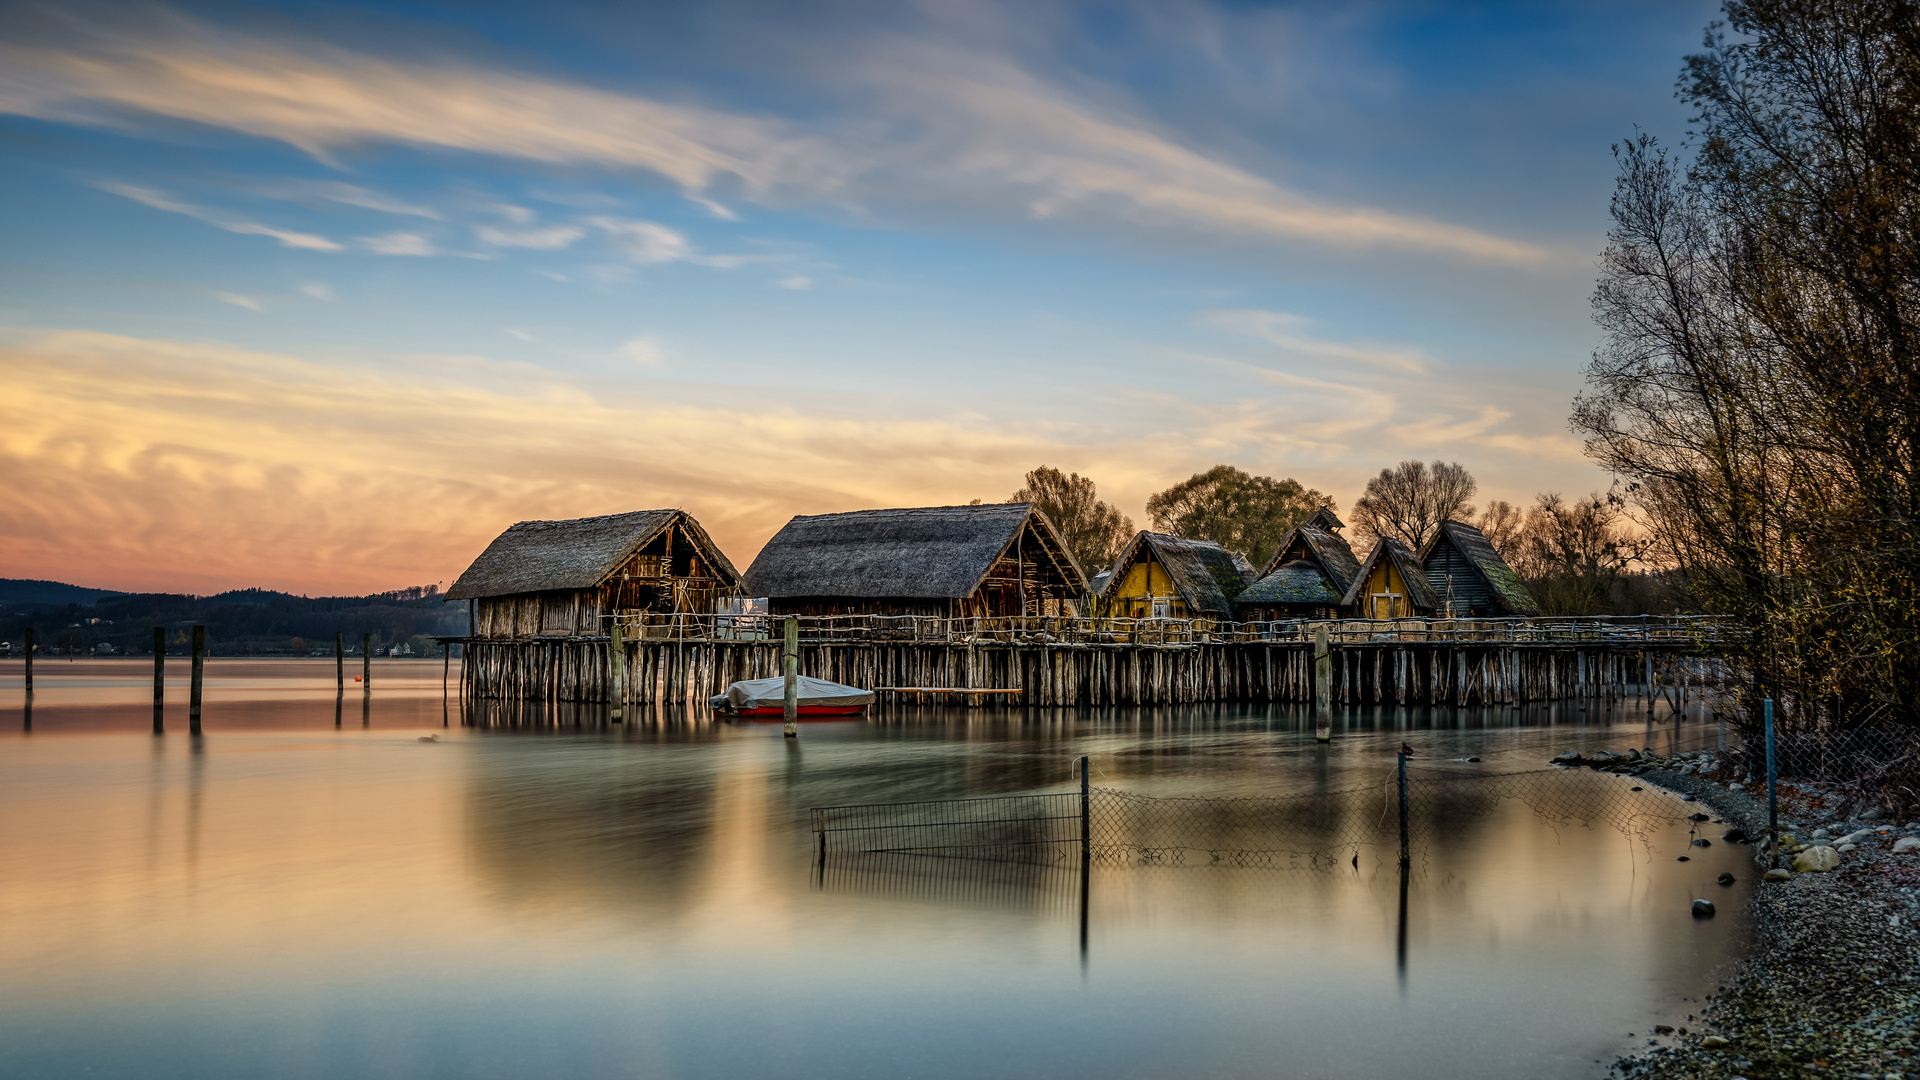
[(547, 556), (1207, 575), (1508, 589), (1334, 554), (921, 552), (1419, 589)]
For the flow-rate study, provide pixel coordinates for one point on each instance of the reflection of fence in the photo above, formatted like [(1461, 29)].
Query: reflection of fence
[(1115, 827)]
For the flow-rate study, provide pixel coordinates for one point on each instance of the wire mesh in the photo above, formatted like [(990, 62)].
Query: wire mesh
[(1129, 828)]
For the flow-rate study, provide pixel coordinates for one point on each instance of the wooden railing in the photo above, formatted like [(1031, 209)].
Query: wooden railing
[(1603, 631)]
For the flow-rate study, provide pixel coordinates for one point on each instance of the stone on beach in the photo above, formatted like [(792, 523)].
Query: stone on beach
[(1703, 907), (1776, 874), (1816, 860)]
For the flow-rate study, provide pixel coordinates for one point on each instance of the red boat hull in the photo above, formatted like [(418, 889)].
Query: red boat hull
[(806, 712)]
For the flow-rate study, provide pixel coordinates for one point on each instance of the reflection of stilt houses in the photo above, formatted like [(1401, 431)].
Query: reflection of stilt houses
[(1307, 578), (951, 561), (545, 579), (1172, 577), (1470, 577), (1390, 584)]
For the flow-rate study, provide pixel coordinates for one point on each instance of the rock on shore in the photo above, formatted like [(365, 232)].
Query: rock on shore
[(1833, 986)]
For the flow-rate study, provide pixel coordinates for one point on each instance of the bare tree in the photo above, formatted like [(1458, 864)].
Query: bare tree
[(1573, 554), (1093, 530), (1759, 383), (1410, 500), (1235, 509), (1501, 523)]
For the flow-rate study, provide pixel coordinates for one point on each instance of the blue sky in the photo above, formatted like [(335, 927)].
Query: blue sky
[(337, 291)]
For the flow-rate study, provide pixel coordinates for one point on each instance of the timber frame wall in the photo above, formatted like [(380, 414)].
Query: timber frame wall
[(1491, 662)]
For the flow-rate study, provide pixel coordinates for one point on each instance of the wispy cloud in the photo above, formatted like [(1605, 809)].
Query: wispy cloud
[(643, 351), (337, 191), (1285, 331), (160, 201), (797, 282), (317, 290), (398, 243), (548, 238), (940, 125), (238, 300)]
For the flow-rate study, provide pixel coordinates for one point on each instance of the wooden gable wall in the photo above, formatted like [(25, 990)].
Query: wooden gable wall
[(667, 574)]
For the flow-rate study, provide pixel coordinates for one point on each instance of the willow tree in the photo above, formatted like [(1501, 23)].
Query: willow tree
[(1759, 382)]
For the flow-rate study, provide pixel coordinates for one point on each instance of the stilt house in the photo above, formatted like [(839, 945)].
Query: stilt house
[(1307, 578), (997, 559), (1160, 576), (1470, 578), (559, 578), (1390, 585)]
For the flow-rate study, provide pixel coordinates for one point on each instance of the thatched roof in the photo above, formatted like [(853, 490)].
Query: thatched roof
[(1419, 589), (1325, 520), (1508, 590), (1333, 553), (545, 556), (1298, 582), (1206, 575), (927, 552)]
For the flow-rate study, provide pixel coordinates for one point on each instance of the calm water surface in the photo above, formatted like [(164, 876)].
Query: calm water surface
[(288, 898)]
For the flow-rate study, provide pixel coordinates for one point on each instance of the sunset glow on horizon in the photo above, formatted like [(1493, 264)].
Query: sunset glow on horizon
[(322, 298)]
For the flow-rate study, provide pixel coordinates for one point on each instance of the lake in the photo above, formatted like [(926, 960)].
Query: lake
[(311, 890)]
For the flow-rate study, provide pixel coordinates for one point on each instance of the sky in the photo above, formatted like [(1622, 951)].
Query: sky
[(322, 296)]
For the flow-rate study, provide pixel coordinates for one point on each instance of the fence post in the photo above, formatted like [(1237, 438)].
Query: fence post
[(159, 680), (1322, 686), (199, 666), (1773, 800), (1086, 814), (339, 661), (790, 708), (1405, 855), (366, 662), (29, 644)]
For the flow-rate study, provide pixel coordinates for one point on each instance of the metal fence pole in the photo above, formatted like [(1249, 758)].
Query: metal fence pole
[(1773, 797), (1405, 855), (1086, 814)]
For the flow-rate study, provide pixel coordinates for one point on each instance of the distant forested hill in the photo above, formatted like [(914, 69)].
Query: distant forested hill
[(18, 594), (245, 622)]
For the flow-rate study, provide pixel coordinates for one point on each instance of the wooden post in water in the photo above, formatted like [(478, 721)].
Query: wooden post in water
[(199, 670), (366, 663), (29, 663), (617, 659), (159, 680), (339, 661), (1322, 686), (790, 709)]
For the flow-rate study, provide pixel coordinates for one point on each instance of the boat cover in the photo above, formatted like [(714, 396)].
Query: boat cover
[(765, 693)]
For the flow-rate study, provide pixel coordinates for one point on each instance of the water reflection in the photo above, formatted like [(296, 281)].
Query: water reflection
[(284, 896)]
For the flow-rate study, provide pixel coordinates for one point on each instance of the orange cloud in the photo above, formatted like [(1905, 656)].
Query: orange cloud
[(136, 463)]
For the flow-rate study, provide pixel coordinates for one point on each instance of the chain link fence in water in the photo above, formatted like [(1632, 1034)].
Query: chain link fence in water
[(1109, 826)]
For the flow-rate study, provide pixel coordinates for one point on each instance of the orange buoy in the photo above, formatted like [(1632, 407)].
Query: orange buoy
[(356, 678)]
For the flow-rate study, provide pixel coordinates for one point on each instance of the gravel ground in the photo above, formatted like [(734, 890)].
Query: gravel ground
[(1833, 986)]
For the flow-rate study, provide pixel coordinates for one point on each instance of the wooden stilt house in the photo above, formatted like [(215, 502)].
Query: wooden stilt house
[(1307, 578), (1390, 585), (1470, 578), (560, 578), (1160, 576), (992, 560)]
